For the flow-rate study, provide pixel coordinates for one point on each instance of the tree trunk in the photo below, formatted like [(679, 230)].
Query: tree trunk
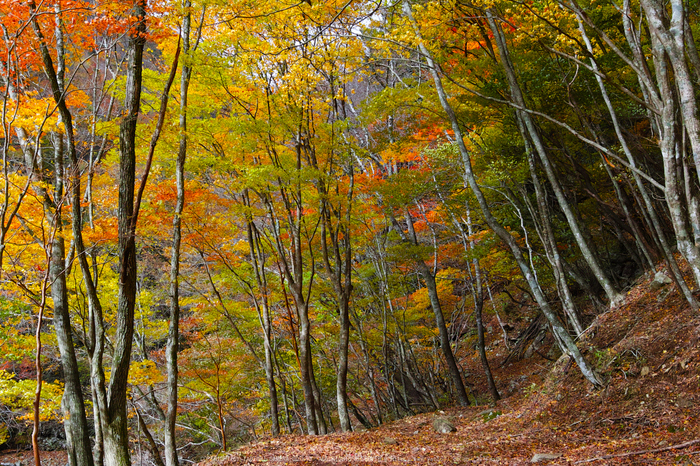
[(269, 372), (671, 35), (73, 403), (431, 287), (516, 94), (318, 399), (669, 152), (341, 384), (305, 369), (549, 241), (369, 368), (478, 291), (171, 350), (445, 344), (340, 274), (116, 435), (257, 259), (76, 425), (171, 458), (657, 228), (76, 421), (569, 346)]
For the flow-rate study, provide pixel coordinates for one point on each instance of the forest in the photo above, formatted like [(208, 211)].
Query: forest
[(226, 220)]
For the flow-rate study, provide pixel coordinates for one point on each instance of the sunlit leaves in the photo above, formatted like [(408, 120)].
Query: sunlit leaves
[(145, 373), (19, 395)]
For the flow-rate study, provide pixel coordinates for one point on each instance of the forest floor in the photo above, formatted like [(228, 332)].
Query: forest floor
[(648, 350)]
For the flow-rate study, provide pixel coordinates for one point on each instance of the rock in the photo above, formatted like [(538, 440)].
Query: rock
[(489, 414), (390, 441), (541, 457), (443, 425), (660, 280)]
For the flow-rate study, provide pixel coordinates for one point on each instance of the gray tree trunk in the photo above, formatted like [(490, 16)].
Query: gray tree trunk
[(478, 293), (76, 422), (670, 32), (656, 225), (516, 94), (335, 245), (549, 242), (171, 350), (257, 258), (431, 286), (669, 152), (568, 345), (292, 268), (114, 419), (77, 425)]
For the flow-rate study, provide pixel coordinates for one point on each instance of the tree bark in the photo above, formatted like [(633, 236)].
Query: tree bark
[(340, 275), (257, 259), (660, 234), (431, 286), (671, 35), (569, 346), (171, 350), (76, 426), (516, 94), (549, 241), (116, 435), (76, 422), (478, 291)]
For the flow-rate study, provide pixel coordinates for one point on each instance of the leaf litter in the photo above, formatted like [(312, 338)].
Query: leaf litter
[(648, 349)]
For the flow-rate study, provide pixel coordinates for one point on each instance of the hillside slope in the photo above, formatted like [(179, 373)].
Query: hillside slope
[(649, 413)]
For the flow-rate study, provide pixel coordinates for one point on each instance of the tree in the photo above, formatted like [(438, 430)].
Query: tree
[(567, 343)]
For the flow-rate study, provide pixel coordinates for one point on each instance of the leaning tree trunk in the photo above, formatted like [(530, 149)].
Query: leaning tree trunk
[(518, 99), (668, 47), (656, 224), (671, 36), (669, 146), (568, 345), (431, 286), (549, 241)]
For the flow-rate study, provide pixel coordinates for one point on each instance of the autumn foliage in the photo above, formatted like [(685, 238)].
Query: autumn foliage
[(305, 217)]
